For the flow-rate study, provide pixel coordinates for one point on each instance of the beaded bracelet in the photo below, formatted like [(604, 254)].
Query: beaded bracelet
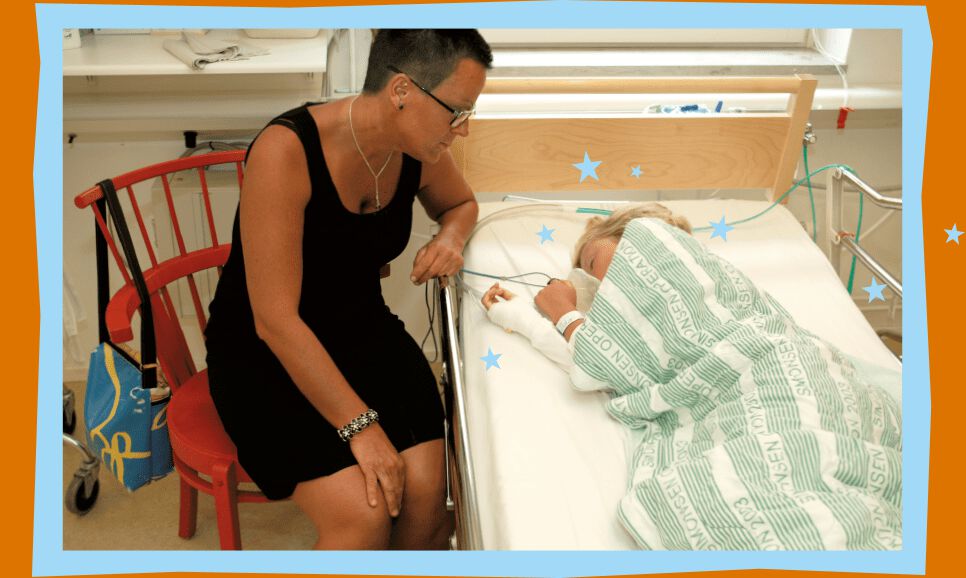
[(358, 424)]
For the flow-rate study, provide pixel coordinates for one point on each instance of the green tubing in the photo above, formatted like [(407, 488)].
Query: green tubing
[(778, 201)]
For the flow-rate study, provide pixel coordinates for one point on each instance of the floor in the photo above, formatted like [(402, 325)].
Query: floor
[(119, 519), (148, 518)]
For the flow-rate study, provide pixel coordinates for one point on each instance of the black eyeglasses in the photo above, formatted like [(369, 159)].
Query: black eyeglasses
[(459, 116)]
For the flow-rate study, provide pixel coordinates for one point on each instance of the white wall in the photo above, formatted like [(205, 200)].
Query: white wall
[(871, 143), (85, 164)]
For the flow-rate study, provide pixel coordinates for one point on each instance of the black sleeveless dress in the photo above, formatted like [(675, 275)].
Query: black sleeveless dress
[(281, 438)]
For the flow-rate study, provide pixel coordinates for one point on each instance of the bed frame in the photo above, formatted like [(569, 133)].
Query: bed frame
[(514, 154), (675, 151)]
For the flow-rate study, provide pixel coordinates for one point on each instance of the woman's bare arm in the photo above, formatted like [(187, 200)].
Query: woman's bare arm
[(449, 201)]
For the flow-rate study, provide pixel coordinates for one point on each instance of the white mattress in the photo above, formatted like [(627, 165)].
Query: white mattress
[(549, 461)]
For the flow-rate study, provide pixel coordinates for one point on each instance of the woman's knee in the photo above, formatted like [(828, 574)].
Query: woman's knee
[(342, 514), (366, 525), (424, 524), (425, 493)]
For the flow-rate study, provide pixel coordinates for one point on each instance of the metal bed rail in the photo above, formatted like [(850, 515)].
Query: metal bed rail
[(870, 262), (468, 535), (838, 238)]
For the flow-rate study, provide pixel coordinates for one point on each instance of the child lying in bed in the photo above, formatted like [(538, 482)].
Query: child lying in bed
[(564, 302), (753, 433)]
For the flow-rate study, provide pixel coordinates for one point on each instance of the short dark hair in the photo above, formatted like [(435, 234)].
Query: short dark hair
[(428, 56)]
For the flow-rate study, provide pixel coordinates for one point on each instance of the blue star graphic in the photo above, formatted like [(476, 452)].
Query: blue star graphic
[(953, 234), (636, 171), (546, 234), (874, 290), (720, 229), (587, 168), (491, 359)]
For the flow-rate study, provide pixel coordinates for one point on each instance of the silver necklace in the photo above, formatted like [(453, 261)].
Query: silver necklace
[(374, 174)]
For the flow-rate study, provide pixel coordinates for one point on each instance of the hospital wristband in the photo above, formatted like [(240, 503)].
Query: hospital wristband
[(358, 424), (566, 319)]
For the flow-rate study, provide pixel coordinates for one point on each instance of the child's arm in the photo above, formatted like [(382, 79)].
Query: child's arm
[(515, 315), (557, 300)]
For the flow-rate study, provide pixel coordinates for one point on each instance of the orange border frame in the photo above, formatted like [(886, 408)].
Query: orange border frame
[(942, 203)]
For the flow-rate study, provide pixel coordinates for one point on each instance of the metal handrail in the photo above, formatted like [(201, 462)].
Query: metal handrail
[(469, 533), (872, 264), (837, 237), (874, 195)]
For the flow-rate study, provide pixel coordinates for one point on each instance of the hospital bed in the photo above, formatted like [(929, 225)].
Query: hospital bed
[(533, 463)]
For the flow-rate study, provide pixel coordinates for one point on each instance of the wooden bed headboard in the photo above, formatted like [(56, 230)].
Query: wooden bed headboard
[(681, 151)]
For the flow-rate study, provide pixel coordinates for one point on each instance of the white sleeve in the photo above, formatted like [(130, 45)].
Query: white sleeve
[(518, 316)]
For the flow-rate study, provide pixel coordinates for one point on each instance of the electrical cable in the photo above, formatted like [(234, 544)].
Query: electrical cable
[(511, 278), (210, 146), (823, 52), (431, 312), (516, 209)]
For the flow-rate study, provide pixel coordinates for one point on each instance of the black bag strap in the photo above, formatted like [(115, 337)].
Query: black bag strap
[(149, 367), (103, 275)]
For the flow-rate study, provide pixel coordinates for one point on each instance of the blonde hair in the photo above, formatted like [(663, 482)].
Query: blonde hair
[(612, 227)]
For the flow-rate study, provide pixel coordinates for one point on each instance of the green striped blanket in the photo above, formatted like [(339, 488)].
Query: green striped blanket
[(756, 433)]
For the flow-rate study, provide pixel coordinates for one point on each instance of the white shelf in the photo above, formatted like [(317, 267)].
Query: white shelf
[(144, 54), (660, 62)]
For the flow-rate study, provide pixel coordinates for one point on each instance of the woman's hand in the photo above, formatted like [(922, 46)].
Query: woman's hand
[(441, 257), (557, 298), (489, 298), (381, 466)]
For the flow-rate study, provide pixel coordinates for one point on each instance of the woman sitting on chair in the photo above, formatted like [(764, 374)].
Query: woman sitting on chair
[(326, 396)]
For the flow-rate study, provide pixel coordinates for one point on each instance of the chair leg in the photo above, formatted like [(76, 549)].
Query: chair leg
[(225, 486), (188, 515)]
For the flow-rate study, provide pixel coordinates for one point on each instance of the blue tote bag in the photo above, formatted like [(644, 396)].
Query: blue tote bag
[(125, 409), (127, 430)]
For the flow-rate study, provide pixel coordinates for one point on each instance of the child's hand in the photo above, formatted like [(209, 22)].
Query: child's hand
[(489, 298), (557, 298)]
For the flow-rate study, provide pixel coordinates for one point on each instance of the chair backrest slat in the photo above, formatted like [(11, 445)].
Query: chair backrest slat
[(144, 232), (196, 299), (171, 332), (175, 225), (205, 195), (174, 355)]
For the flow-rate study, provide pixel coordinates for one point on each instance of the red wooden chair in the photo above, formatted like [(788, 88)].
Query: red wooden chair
[(198, 440)]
